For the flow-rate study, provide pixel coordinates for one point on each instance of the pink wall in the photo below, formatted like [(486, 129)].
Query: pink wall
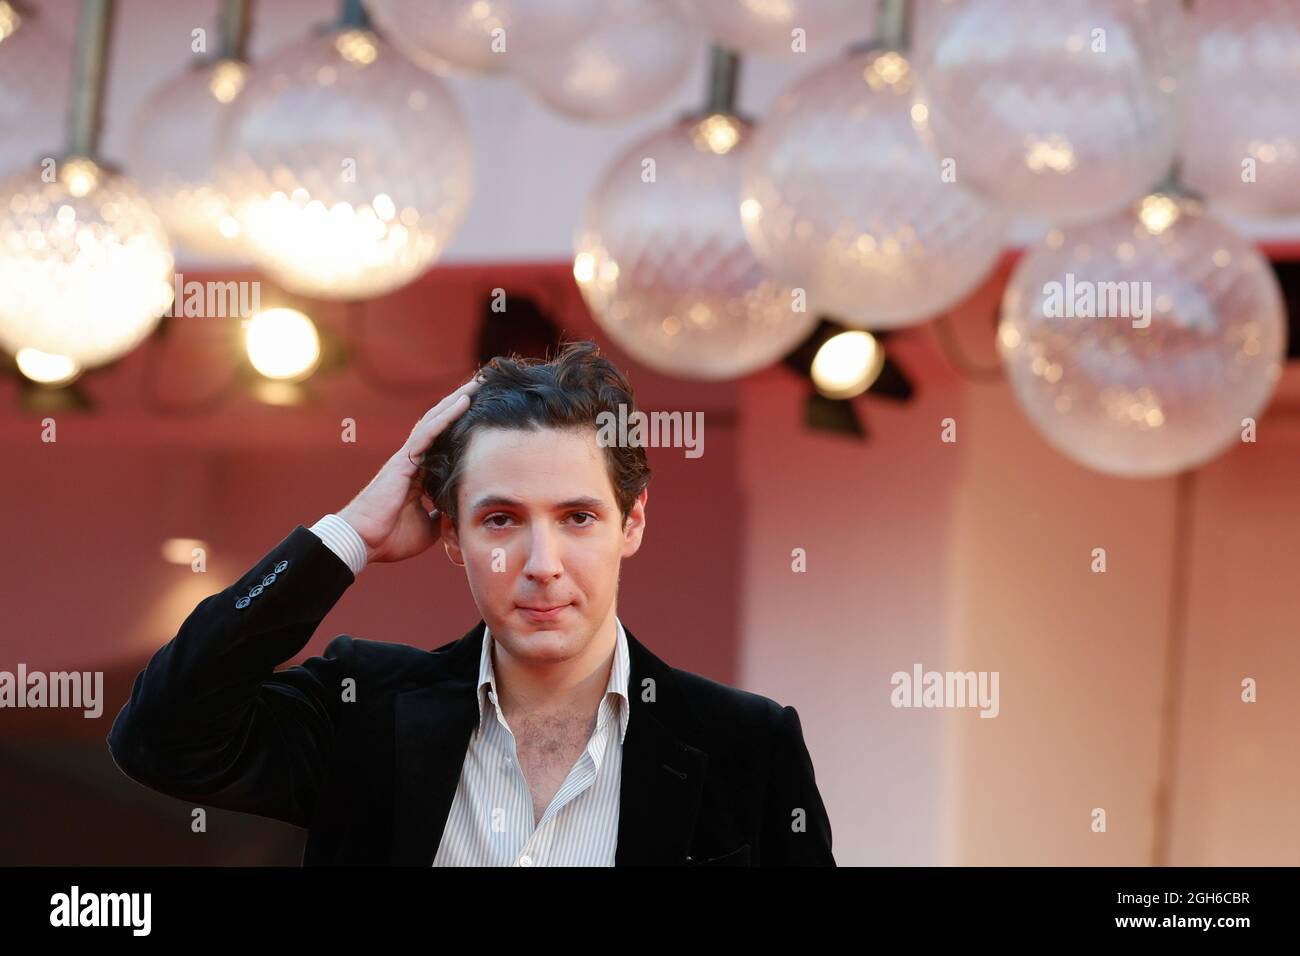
[(976, 556)]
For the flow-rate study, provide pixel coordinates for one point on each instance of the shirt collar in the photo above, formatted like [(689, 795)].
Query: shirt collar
[(617, 685)]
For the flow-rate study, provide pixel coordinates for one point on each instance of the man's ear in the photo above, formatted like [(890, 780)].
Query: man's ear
[(634, 527), (450, 540)]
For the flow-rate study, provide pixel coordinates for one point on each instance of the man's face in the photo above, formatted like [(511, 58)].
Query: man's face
[(539, 527)]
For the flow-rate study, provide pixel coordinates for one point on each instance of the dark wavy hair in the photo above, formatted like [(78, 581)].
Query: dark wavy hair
[(566, 391)]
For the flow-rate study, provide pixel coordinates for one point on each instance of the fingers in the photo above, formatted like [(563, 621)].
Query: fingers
[(469, 388), (439, 417)]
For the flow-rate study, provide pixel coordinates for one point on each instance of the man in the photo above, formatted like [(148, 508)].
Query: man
[(547, 735)]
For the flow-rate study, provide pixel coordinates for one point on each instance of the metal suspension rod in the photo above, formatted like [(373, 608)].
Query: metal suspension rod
[(724, 74), (892, 24), (86, 108), (234, 30), (354, 15)]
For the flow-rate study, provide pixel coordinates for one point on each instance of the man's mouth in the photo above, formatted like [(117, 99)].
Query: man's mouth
[(541, 612)]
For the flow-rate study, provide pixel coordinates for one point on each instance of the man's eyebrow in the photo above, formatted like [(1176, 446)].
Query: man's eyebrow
[(502, 501)]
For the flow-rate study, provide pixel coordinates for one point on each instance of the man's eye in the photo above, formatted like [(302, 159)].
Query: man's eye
[(591, 519)]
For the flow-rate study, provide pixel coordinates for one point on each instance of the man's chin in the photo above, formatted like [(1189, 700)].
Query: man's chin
[(541, 645)]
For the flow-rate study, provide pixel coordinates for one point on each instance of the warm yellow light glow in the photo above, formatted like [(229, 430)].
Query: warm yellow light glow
[(1158, 213), (46, 368), (337, 246), (890, 70), (83, 275), (718, 133), (181, 550), (227, 80), (283, 344), (847, 364), (9, 20), (80, 176), (1053, 154), (358, 47), (584, 267)]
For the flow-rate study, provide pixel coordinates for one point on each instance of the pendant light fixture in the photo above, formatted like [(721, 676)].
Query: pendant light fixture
[(85, 265)]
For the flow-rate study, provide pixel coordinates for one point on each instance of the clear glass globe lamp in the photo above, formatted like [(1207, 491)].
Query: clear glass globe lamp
[(1144, 344), (348, 168), (662, 259)]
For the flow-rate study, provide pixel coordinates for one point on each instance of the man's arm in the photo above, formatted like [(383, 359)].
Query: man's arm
[(210, 720), (796, 829)]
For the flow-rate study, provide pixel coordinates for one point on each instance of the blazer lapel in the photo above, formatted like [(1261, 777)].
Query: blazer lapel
[(432, 727), (663, 775)]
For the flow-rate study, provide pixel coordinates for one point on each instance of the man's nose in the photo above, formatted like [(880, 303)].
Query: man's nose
[(543, 555)]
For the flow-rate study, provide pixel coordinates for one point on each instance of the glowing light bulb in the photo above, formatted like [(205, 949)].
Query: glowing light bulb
[(847, 364), (45, 368), (282, 344), (83, 274), (718, 133), (348, 174)]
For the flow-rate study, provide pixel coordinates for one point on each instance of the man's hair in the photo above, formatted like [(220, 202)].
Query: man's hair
[(567, 391)]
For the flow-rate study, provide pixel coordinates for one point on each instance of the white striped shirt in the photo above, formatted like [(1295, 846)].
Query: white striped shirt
[(491, 818)]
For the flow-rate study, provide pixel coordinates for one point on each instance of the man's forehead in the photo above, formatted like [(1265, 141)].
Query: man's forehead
[(574, 472), (498, 439)]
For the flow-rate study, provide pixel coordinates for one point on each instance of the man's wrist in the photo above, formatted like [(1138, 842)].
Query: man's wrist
[(344, 540)]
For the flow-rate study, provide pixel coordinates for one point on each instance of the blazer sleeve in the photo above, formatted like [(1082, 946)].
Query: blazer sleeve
[(790, 837), (209, 720)]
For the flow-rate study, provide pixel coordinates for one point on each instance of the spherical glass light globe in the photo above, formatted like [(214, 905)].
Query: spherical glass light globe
[(629, 62), (1241, 143), (35, 67), (85, 265), (841, 197), (765, 27), (1063, 110), (481, 35), (662, 260), (349, 168), (1137, 345), (177, 172)]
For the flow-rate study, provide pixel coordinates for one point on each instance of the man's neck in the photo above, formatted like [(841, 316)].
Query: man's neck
[(570, 687)]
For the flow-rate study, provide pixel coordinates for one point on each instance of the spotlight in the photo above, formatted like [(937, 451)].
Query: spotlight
[(840, 364), (847, 364), (283, 345)]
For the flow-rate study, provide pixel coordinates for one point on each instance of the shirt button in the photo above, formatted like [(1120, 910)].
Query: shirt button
[(525, 860)]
